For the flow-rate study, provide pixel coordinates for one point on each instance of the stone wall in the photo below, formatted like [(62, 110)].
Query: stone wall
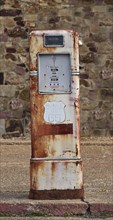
[(93, 19)]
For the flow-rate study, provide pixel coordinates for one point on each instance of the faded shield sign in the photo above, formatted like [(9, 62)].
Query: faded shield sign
[(54, 112)]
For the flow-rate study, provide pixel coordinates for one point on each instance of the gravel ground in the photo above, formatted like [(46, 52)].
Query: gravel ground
[(97, 156), (52, 218)]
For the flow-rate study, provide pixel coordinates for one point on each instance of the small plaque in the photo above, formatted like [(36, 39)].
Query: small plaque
[(54, 112), (53, 40)]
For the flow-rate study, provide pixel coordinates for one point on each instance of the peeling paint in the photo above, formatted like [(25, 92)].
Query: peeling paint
[(56, 162)]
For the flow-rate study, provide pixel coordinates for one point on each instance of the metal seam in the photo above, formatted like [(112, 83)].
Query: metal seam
[(55, 159)]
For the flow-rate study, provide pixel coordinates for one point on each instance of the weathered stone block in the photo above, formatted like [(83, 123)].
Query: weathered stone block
[(84, 116), (14, 79), (2, 126), (20, 23), (21, 64), (16, 4), (3, 37), (99, 37), (10, 12), (24, 95), (5, 115), (15, 104), (23, 58), (87, 9), (109, 2), (17, 32), (99, 7), (106, 21), (110, 9), (108, 83), (98, 114), (84, 49), (9, 65), (92, 47), (101, 124), (2, 2), (7, 90), (106, 74), (20, 70), (86, 129), (84, 82), (92, 70), (100, 132), (31, 17), (111, 132), (111, 36), (107, 93), (88, 83), (84, 76), (11, 134), (7, 22), (12, 3), (109, 64), (89, 15), (87, 58), (10, 56), (86, 104), (14, 125), (19, 18), (54, 20), (84, 91), (17, 114), (10, 50), (3, 103)]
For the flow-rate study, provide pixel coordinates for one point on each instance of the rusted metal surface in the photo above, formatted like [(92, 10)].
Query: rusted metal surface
[(57, 194), (55, 129), (55, 135), (56, 175)]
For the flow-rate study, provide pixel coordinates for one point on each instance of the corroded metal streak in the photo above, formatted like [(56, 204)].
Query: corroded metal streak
[(58, 140), (56, 175), (57, 194), (61, 140), (55, 129)]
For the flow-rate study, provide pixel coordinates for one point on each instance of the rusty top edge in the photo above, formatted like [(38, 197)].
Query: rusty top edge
[(40, 32)]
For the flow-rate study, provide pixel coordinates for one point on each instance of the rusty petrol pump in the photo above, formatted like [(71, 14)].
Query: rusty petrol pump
[(56, 164)]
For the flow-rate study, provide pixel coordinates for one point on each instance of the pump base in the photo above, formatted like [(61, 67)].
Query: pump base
[(56, 194)]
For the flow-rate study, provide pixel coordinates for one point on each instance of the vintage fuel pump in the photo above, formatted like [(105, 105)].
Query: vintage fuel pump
[(56, 164)]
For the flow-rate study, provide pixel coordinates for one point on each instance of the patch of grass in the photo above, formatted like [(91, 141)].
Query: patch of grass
[(35, 214), (4, 214), (30, 214), (105, 215)]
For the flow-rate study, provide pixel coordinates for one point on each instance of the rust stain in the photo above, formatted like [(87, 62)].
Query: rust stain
[(53, 152), (76, 149), (34, 183), (57, 194), (40, 148), (54, 140), (50, 129), (53, 168)]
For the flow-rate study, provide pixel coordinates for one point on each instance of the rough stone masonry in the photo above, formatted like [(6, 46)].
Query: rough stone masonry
[(93, 19)]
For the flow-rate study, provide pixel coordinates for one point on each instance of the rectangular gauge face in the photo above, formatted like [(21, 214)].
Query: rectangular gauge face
[(54, 73)]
